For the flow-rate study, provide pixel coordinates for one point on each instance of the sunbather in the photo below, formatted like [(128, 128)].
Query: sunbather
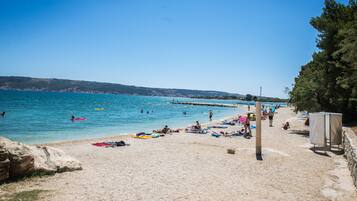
[(286, 126), (165, 130), (198, 125), (196, 129)]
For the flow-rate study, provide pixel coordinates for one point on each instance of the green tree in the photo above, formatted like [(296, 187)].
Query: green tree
[(329, 81), (248, 97)]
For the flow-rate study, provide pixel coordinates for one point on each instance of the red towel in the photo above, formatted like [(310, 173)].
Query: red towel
[(101, 144)]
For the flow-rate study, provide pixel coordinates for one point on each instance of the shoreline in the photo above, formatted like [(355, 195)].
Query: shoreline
[(243, 111), (197, 167)]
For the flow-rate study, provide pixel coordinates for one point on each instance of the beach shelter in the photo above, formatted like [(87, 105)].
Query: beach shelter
[(325, 128)]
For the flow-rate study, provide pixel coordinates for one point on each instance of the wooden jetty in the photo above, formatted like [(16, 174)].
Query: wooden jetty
[(206, 104)]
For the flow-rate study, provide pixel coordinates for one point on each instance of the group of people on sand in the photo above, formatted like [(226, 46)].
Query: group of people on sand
[(242, 120)]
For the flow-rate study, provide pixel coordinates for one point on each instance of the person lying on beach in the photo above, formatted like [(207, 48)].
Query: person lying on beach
[(231, 123), (166, 130)]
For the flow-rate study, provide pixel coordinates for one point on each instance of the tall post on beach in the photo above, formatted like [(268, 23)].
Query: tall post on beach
[(260, 92), (258, 137)]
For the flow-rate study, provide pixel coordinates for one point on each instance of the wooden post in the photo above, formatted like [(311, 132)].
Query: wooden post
[(258, 136)]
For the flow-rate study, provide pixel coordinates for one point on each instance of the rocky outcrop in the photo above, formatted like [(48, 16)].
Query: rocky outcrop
[(349, 142), (18, 160), (4, 165)]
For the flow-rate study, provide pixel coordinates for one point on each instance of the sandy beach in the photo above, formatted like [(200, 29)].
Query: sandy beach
[(186, 166)]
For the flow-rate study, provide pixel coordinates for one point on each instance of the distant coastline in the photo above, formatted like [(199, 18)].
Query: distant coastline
[(19, 83)]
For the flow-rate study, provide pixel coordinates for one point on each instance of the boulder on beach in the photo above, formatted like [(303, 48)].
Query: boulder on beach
[(19, 160)]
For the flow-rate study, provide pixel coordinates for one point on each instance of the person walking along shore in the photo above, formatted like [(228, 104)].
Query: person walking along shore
[(271, 116)]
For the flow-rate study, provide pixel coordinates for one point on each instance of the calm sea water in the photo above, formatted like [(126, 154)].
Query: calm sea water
[(39, 117)]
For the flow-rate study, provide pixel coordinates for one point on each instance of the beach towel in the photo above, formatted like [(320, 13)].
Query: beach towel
[(202, 131), (231, 123), (218, 126), (142, 137), (101, 144), (155, 135), (217, 135), (110, 144), (140, 134)]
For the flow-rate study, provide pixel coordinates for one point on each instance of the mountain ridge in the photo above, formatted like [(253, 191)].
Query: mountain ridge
[(81, 86)]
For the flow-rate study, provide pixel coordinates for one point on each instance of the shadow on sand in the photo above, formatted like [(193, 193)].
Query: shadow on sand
[(323, 151), (259, 157), (304, 133)]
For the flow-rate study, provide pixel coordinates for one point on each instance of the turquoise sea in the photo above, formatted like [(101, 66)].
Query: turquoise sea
[(40, 117)]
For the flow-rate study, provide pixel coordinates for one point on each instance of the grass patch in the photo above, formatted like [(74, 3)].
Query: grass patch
[(31, 195)]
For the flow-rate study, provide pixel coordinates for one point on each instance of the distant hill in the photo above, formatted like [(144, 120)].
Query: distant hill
[(62, 85)]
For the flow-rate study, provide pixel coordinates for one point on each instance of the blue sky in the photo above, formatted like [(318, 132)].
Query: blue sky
[(228, 45)]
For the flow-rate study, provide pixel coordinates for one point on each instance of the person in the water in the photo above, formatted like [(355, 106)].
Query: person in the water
[(210, 114), (3, 114), (73, 117)]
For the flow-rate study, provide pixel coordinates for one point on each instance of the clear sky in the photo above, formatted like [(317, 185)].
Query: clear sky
[(228, 45)]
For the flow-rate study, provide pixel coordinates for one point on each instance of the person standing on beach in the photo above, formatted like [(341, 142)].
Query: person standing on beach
[(271, 116), (210, 115), (248, 107), (247, 127)]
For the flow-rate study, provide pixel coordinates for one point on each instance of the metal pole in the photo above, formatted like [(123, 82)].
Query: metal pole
[(258, 137), (260, 92), (329, 130)]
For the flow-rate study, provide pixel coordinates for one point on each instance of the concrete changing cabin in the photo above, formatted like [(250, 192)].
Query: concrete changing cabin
[(325, 128)]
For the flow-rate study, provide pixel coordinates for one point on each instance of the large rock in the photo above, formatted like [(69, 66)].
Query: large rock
[(18, 160), (20, 156), (50, 160), (4, 170), (4, 164)]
